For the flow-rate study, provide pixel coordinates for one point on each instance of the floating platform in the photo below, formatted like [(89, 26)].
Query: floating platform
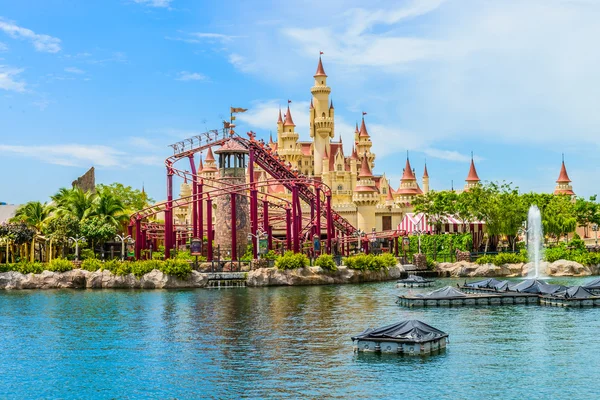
[(411, 337), (469, 300), (414, 281)]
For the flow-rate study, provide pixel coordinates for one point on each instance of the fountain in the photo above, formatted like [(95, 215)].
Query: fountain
[(535, 237)]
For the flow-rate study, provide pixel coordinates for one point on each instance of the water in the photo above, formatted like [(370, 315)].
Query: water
[(286, 343), (535, 240)]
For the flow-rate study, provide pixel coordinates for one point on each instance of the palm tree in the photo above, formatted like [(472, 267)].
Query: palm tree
[(36, 215), (75, 202), (109, 208)]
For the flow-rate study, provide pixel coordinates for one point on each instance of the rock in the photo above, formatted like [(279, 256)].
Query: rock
[(567, 268), (11, 280), (465, 269), (317, 276)]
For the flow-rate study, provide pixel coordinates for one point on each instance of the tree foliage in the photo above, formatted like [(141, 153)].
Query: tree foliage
[(132, 199)]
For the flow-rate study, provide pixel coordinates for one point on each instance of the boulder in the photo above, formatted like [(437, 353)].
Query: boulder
[(465, 269), (567, 268)]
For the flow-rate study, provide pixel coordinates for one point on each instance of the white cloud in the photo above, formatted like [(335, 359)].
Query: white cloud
[(143, 143), (449, 155), (3, 47), (74, 70), (213, 36), (8, 79), (69, 154), (43, 43), (191, 76), (155, 3)]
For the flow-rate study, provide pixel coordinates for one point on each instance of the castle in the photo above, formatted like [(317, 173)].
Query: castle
[(366, 200)]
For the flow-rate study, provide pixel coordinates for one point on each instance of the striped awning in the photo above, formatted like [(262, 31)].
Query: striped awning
[(418, 221)]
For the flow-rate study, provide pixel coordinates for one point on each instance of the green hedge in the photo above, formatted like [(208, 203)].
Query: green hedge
[(326, 262), (59, 265), (370, 262), (503, 258), (441, 245), (291, 260)]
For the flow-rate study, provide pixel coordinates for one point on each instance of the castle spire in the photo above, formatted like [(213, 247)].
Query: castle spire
[(563, 183), (389, 193), (363, 128), (472, 177), (280, 120), (365, 170), (320, 70), (331, 104), (288, 117), (408, 172), (563, 177), (425, 173)]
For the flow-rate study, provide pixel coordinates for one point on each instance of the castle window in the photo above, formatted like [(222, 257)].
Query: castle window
[(306, 163), (313, 163), (340, 187), (339, 167), (384, 191), (323, 115), (322, 82)]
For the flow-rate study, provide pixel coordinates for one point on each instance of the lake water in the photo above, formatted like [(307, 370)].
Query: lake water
[(289, 342)]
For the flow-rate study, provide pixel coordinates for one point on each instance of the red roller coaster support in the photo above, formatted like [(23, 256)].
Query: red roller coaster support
[(200, 207), (318, 206), (270, 232), (130, 229), (266, 221), (295, 225), (209, 229), (233, 229), (329, 223), (288, 228), (138, 237), (195, 196), (253, 204), (169, 233)]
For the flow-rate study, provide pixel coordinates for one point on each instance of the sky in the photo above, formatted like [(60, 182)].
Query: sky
[(112, 83)]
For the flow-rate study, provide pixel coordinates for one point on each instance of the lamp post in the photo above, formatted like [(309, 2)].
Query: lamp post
[(595, 229), (123, 239), (358, 235), (418, 233), (259, 233), (76, 240)]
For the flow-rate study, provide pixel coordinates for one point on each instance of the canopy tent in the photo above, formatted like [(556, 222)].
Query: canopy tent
[(536, 286), (445, 292), (593, 284), (450, 224), (413, 331), (575, 292), (489, 283)]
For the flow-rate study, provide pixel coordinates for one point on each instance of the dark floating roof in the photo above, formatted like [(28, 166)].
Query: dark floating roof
[(414, 279), (489, 283), (593, 284), (445, 292), (575, 292), (536, 286), (413, 331)]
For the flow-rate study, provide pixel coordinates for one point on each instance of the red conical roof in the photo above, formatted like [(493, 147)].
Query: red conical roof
[(472, 177), (408, 173), (288, 118), (365, 170), (320, 70), (563, 177), (363, 129), (331, 104), (389, 193), (356, 129), (200, 166), (280, 120), (425, 173), (271, 138), (354, 156), (209, 155)]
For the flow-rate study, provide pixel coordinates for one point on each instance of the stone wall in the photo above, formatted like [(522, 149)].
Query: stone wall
[(223, 221), (463, 256), (420, 261)]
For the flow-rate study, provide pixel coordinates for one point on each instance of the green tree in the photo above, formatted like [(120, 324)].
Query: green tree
[(97, 230), (132, 199), (513, 212), (75, 202), (35, 215), (435, 206), (587, 212), (559, 217), (109, 208)]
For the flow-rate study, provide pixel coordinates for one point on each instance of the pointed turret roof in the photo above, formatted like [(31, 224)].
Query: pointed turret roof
[(311, 104), (408, 172), (288, 118), (363, 129), (425, 173), (271, 138), (389, 193), (331, 104), (200, 166), (472, 177), (563, 177), (209, 155), (354, 156), (320, 70), (356, 129), (365, 170), (280, 120)]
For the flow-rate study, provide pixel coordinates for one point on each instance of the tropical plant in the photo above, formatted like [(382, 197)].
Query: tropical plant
[(326, 262), (59, 265), (291, 260)]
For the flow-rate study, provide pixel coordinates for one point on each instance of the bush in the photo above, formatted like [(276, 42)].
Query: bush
[(59, 265), (503, 258), (158, 255), (291, 260), (28, 267), (326, 262), (364, 262), (85, 254), (388, 260), (140, 268), (271, 255), (91, 264), (179, 268)]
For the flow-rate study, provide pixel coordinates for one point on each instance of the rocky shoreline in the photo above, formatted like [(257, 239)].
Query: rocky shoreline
[(82, 279), (464, 269)]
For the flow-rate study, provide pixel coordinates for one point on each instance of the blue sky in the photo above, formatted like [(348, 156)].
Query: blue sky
[(111, 83)]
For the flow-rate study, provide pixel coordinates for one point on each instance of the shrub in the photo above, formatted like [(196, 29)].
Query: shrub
[(326, 262), (291, 260), (486, 259), (388, 259), (140, 268), (85, 254), (271, 255), (158, 255), (28, 267), (91, 264), (111, 265), (59, 265), (365, 262), (503, 258), (179, 268)]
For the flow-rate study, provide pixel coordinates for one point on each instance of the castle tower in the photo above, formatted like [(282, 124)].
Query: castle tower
[(563, 183), (321, 117), (366, 197), (409, 187), (287, 146), (232, 167), (425, 179), (209, 169), (472, 179), (354, 168), (364, 143)]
